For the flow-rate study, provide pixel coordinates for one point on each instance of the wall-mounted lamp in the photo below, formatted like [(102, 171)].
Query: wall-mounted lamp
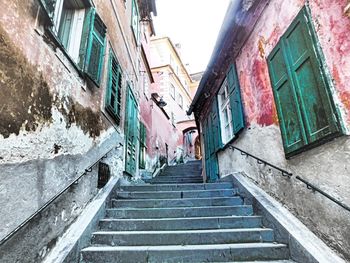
[(161, 103), (207, 95)]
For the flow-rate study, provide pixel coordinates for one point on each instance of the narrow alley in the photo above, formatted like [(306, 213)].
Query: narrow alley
[(174, 131)]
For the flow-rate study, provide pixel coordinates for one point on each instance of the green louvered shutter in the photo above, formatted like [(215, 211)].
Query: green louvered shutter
[(113, 99), (286, 101), (235, 100), (311, 87), (93, 45), (143, 136), (49, 8), (216, 125)]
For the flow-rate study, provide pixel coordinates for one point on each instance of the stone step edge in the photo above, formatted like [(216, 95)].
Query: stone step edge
[(178, 199), (177, 208), (191, 191), (171, 232), (179, 218), (183, 247)]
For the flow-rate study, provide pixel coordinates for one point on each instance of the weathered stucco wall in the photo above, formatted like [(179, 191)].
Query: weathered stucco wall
[(52, 121), (326, 166)]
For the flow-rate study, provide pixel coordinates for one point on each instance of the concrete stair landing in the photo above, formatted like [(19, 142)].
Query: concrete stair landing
[(182, 222)]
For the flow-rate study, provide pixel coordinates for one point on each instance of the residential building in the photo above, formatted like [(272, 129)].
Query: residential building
[(276, 88), (71, 81), (175, 86)]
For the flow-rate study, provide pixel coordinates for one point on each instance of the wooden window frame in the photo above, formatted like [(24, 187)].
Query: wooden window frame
[(225, 113)]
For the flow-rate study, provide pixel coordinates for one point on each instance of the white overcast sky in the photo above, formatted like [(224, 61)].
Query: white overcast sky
[(194, 24)]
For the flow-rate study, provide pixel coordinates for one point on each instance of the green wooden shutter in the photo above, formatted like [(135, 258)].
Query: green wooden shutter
[(217, 142), (235, 100), (113, 96), (286, 101), (49, 8), (93, 45), (143, 136), (311, 87)]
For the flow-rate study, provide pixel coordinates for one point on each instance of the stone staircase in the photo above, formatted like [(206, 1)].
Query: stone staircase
[(177, 218)]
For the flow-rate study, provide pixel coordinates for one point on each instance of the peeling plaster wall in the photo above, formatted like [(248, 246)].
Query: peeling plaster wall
[(326, 166), (52, 123)]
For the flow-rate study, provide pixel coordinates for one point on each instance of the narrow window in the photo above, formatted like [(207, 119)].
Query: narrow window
[(180, 101), (143, 147), (113, 99), (225, 113), (172, 91), (135, 19)]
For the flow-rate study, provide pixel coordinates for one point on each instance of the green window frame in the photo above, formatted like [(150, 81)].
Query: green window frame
[(305, 108), (114, 88), (135, 20), (229, 107), (143, 146), (89, 53)]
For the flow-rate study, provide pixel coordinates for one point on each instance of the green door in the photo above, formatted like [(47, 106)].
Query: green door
[(131, 133), (212, 140)]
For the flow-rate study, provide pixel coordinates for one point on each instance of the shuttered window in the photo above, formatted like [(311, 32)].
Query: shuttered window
[(143, 147), (113, 95), (92, 49), (135, 20), (305, 109), (81, 33), (230, 106)]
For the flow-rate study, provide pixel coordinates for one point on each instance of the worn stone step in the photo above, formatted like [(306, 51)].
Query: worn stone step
[(177, 194), (175, 187), (185, 202), (241, 210), (187, 253), (173, 182), (178, 177), (182, 237), (176, 181), (189, 223)]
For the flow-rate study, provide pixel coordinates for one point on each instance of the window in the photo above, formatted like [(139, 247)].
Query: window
[(173, 118), (135, 18), (305, 109), (143, 147), (80, 32), (230, 107), (180, 101), (225, 113), (172, 91), (113, 95)]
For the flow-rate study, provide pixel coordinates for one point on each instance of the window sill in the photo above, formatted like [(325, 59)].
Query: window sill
[(311, 146)]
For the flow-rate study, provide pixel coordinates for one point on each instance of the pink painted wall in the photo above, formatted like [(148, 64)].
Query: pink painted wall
[(326, 165), (332, 28)]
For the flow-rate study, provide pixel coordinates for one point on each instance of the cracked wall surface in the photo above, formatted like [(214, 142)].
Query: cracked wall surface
[(53, 122)]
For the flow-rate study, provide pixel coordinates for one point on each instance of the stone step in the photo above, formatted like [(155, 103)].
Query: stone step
[(183, 237), (241, 210), (180, 175), (185, 202), (168, 179), (173, 182), (178, 194), (189, 223), (187, 253), (175, 187)]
